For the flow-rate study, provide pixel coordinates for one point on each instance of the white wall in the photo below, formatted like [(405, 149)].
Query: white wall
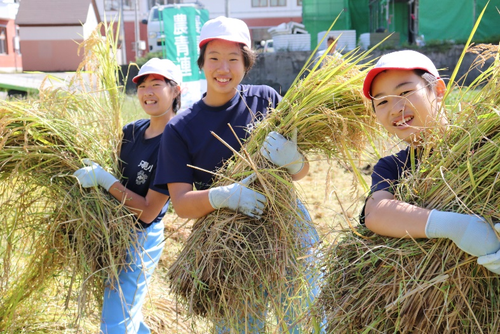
[(51, 33), (243, 9)]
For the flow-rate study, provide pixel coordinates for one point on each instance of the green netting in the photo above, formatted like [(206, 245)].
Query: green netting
[(454, 20), (489, 27), (359, 12), (318, 15), (445, 19)]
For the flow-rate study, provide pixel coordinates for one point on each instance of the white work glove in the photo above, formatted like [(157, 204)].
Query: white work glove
[(472, 234), (491, 261), (94, 175), (238, 197), (282, 152)]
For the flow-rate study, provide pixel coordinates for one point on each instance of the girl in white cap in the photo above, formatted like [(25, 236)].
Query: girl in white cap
[(407, 94), (158, 91), (225, 57)]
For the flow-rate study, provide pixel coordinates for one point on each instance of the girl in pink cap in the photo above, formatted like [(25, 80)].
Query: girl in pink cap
[(407, 95), (225, 57), (158, 90)]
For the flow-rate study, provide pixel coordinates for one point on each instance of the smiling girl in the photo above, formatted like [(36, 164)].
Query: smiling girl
[(225, 58), (407, 96), (158, 91)]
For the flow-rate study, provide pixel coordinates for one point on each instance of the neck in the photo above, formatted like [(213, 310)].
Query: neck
[(214, 99), (157, 124)]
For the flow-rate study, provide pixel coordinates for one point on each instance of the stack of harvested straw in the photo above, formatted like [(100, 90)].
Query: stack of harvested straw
[(51, 227), (229, 259), (408, 286)]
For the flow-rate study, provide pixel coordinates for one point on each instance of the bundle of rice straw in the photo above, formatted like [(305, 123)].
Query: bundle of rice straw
[(51, 227), (229, 258), (386, 285)]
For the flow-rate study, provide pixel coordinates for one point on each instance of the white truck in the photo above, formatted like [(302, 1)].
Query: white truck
[(156, 33)]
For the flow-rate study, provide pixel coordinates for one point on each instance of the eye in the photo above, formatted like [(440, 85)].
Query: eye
[(406, 92), (380, 103)]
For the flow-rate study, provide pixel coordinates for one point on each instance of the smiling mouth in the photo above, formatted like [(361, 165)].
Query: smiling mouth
[(222, 80), (149, 102), (403, 121)]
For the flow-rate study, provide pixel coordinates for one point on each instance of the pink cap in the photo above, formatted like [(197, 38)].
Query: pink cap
[(229, 29), (399, 60), (163, 67)]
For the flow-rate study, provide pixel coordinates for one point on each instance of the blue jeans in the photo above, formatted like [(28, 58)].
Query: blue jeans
[(255, 324), (121, 310)]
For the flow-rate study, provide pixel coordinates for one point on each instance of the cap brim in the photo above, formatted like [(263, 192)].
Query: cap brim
[(206, 40), (367, 84)]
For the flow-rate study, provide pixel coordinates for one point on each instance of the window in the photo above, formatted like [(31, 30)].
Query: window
[(267, 3), (3, 40), (259, 3), (278, 3), (115, 4)]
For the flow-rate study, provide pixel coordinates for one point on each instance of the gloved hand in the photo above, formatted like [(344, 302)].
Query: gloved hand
[(282, 152), (238, 197), (472, 234), (491, 261), (94, 175)]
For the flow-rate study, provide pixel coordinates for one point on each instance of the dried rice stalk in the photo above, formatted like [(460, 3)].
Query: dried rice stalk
[(230, 258), (51, 226), (406, 286)]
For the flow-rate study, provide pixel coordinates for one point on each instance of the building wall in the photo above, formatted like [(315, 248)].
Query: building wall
[(50, 55), (12, 60), (51, 48)]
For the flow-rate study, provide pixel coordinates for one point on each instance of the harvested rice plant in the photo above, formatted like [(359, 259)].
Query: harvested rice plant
[(381, 284)]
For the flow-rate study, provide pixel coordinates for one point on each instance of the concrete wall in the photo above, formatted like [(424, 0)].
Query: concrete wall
[(279, 69)]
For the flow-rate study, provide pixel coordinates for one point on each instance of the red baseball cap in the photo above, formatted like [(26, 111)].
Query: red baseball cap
[(399, 60), (229, 29)]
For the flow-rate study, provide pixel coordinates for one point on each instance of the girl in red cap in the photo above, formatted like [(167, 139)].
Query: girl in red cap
[(158, 90), (407, 94)]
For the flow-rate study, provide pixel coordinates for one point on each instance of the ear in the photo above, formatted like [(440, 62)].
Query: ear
[(440, 90)]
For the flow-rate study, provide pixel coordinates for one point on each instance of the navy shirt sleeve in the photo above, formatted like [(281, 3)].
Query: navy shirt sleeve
[(387, 173), (138, 161), (190, 153)]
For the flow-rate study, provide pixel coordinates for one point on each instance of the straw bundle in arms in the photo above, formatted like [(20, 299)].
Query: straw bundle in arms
[(429, 286), (51, 227), (230, 259)]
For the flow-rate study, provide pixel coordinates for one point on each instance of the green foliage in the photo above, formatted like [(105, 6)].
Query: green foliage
[(142, 60)]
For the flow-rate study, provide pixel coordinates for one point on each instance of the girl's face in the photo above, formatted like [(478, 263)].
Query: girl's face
[(155, 95), (224, 69), (404, 105)]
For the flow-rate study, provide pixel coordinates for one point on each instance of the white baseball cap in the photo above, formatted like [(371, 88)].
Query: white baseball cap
[(163, 67), (229, 29), (399, 60)]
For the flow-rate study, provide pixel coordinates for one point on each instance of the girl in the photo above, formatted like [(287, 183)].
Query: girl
[(225, 57), (158, 90), (407, 94)]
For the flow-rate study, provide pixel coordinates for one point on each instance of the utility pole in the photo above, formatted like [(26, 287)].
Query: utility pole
[(137, 31), (227, 8), (122, 35)]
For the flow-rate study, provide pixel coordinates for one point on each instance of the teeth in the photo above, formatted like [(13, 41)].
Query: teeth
[(150, 102), (222, 80), (403, 121)]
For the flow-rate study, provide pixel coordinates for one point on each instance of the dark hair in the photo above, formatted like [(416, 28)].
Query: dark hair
[(248, 57), (330, 39), (429, 78), (176, 103)]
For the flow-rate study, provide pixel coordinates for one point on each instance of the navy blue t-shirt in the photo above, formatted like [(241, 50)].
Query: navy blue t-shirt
[(138, 160), (389, 170), (387, 173), (187, 138)]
